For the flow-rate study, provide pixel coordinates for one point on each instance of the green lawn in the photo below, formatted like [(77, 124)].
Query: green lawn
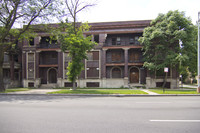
[(16, 90), (92, 88), (79, 91), (167, 91)]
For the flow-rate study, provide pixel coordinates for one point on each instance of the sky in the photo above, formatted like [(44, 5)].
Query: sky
[(127, 10)]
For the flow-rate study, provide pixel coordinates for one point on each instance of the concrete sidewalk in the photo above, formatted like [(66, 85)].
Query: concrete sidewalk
[(35, 91), (189, 86), (150, 92), (45, 91)]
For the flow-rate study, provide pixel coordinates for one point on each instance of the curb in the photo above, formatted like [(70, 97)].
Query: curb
[(100, 95)]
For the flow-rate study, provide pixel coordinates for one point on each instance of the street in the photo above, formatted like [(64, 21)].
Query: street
[(65, 114)]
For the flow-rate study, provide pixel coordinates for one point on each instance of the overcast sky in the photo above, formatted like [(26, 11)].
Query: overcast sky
[(124, 10)]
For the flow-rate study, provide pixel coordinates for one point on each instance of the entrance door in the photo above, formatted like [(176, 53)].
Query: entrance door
[(134, 75), (52, 76)]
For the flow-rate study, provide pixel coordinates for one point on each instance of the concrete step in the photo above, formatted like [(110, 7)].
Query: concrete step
[(48, 86), (136, 86)]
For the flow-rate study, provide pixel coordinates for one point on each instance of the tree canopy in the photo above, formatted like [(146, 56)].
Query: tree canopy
[(168, 41), (73, 39), (16, 12), (77, 45)]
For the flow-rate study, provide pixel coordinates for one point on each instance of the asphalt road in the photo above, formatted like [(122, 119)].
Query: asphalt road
[(62, 114)]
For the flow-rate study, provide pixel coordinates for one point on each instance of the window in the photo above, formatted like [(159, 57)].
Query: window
[(116, 73), (45, 40), (31, 65), (30, 84), (93, 72), (135, 56), (131, 40), (93, 56), (16, 75), (31, 41), (6, 73), (69, 84), (92, 84), (48, 40), (114, 41), (96, 38), (30, 57), (90, 56), (136, 40), (116, 56), (6, 58), (67, 57), (30, 73), (118, 41)]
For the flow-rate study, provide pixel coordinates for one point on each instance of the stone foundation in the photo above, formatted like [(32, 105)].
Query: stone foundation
[(104, 83), (151, 82)]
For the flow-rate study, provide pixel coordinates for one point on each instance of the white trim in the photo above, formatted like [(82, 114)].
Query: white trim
[(27, 61)]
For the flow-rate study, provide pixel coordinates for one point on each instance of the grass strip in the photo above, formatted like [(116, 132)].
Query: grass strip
[(167, 91), (79, 91), (92, 88), (16, 90)]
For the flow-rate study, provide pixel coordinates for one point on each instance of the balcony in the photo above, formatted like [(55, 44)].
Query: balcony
[(122, 44), (47, 42), (139, 60), (48, 58), (48, 45), (49, 61)]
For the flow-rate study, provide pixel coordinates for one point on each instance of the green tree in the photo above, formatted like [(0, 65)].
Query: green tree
[(73, 39), (189, 67), (77, 45), (17, 12), (168, 41)]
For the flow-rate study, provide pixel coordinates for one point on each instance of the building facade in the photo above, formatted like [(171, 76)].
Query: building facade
[(115, 62)]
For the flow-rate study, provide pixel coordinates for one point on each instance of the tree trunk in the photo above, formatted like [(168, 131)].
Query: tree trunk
[(164, 82), (2, 88), (12, 70), (74, 85)]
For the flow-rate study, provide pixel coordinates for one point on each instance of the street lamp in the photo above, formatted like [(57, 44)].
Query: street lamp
[(198, 89)]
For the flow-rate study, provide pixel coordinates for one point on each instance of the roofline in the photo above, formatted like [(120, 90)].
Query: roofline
[(121, 22)]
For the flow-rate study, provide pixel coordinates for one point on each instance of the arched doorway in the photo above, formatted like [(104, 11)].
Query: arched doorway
[(52, 75), (134, 75), (116, 72)]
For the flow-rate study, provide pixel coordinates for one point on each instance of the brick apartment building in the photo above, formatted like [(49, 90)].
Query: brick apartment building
[(115, 62)]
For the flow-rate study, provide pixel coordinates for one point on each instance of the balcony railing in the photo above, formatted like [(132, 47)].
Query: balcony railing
[(48, 45), (112, 61), (140, 60), (122, 43), (52, 61)]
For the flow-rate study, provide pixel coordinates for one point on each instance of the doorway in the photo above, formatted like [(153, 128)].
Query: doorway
[(52, 75), (134, 75)]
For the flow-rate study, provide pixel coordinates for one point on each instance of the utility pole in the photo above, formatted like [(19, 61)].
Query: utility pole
[(198, 89)]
